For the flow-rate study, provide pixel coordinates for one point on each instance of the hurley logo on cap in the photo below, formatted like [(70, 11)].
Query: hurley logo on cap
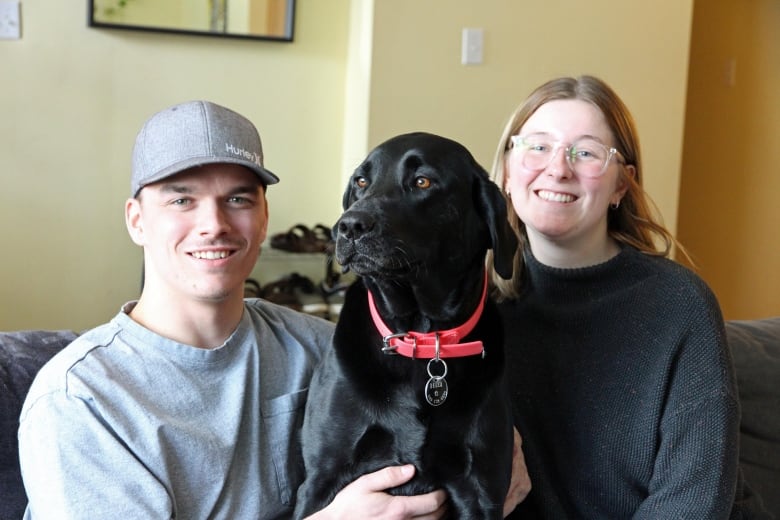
[(246, 154)]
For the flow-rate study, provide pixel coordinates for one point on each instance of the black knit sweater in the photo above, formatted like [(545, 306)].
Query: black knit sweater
[(624, 392)]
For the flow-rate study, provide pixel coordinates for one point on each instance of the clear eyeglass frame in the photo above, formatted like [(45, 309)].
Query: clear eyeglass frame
[(585, 156)]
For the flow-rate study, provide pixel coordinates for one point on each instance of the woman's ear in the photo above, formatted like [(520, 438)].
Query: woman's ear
[(628, 173), (505, 181), (133, 220)]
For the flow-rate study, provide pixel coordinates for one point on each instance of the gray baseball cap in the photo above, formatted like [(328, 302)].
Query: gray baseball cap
[(193, 134)]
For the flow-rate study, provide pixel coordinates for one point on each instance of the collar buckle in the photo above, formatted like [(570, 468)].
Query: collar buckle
[(389, 349)]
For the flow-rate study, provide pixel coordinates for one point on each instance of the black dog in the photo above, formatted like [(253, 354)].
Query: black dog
[(422, 381)]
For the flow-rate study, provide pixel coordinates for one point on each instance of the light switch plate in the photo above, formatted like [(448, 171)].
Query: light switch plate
[(10, 20), (472, 40)]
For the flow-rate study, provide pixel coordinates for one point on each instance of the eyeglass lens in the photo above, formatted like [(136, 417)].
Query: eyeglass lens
[(585, 156)]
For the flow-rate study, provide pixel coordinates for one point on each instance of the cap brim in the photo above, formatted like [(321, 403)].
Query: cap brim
[(266, 177)]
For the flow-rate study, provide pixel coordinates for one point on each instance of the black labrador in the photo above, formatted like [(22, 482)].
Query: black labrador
[(416, 370)]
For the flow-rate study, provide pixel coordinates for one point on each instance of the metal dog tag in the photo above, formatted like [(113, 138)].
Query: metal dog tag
[(436, 391), (436, 388)]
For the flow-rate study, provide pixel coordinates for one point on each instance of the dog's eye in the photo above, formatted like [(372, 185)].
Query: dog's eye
[(361, 182), (423, 182)]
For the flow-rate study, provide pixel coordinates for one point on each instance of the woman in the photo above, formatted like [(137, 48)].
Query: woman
[(621, 379)]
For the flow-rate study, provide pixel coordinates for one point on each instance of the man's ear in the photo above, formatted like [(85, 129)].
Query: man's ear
[(265, 219), (133, 220)]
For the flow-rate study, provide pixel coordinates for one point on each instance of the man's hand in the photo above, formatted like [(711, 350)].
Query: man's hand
[(366, 498), (520, 485)]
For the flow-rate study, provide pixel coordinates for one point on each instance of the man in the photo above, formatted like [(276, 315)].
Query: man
[(186, 405)]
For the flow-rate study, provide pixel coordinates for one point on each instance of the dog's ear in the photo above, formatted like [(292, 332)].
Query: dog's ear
[(349, 196), (346, 199), (492, 208)]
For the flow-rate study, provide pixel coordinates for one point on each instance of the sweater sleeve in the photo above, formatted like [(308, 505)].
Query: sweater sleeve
[(695, 471)]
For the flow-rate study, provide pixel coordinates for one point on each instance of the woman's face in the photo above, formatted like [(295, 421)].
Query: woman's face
[(557, 205)]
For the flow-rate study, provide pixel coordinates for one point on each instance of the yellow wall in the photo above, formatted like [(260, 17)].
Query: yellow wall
[(72, 101), (74, 97), (639, 47), (729, 210)]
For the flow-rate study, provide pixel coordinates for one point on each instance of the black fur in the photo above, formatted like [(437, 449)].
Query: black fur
[(420, 214)]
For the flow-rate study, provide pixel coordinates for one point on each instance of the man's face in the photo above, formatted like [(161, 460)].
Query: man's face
[(201, 231)]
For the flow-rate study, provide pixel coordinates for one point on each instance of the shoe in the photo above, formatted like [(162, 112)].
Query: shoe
[(252, 288), (323, 235), (298, 239), (287, 290)]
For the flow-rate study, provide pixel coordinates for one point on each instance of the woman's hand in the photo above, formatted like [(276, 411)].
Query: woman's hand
[(520, 485)]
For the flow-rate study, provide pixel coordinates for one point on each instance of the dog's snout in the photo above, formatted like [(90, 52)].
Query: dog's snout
[(355, 224)]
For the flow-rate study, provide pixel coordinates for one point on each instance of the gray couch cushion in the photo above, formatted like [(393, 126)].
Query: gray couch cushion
[(22, 353), (755, 348)]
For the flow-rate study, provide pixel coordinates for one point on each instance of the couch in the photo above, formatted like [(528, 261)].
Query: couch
[(755, 347)]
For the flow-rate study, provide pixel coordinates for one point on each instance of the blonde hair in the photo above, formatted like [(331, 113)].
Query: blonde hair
[(636, 222)]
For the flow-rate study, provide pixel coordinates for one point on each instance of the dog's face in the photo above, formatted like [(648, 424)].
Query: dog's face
[(420, 202)]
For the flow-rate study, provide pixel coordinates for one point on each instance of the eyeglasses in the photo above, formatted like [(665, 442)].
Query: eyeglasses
[(585, 156)]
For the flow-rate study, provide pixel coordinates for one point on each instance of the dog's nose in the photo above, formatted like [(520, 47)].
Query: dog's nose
[(355, 224)]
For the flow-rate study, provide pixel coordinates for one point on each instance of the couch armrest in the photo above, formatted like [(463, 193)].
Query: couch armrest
[(22, 354), (755, 349)]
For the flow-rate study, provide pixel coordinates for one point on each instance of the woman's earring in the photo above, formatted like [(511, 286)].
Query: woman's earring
[(615, 205)]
